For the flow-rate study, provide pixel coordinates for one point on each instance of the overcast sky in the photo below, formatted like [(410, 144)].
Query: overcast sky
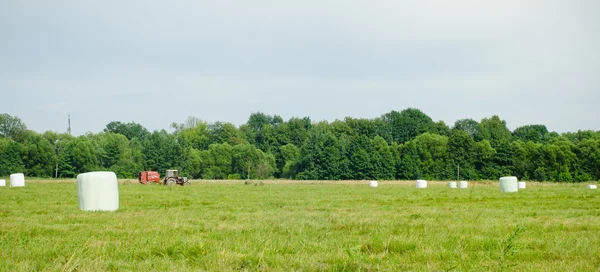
[(158, 62)]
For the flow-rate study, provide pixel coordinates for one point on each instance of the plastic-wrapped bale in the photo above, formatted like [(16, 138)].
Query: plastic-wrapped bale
[(373, 183), (17, 180), (452, 184), (592, 186), (522, 185), (421, 184), (463, 184), (98, 191), (2, 182), (509, 184)]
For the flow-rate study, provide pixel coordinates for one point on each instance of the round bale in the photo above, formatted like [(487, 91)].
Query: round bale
[(509, 184), (17, 180), (98, 191)]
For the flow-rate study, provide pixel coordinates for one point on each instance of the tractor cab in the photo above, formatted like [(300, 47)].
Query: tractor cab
[(173, 178), (172, 173)]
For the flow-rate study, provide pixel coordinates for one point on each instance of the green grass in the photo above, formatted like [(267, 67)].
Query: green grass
[(309, 227)]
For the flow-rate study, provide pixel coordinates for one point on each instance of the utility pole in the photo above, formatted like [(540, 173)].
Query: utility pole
[(69, 128), (458, 172), (57, 153)]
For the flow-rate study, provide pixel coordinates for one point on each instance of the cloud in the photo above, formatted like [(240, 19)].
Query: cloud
[(222, 60)]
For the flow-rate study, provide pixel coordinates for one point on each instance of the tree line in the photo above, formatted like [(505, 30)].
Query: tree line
[(397, 145)]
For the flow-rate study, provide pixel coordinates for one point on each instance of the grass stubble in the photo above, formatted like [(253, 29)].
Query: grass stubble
[(308, 226)]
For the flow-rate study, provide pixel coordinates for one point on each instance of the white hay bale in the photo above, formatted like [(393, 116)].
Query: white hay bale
[(2, 182), (522, 185), (98, 191), (592, 186), (373, 184), (463, 184), (452, 184), (421, 184), (17, 180), (509, 184)]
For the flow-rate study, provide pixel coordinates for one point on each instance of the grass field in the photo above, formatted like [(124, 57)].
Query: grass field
[(316, 226)]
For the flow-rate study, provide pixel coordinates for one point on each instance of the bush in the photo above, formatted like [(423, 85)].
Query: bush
[(540, 174), (582, 177), (565, 176), (234, 176)]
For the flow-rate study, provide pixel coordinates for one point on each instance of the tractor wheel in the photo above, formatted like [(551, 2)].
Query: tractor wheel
[(171, 182)]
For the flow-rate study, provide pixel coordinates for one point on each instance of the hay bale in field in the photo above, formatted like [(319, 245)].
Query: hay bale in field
[(452, 184), (373, 184), (463, 184), (509, 184), (98, 191), (17, 180), (127, 182), (522, 185), (2, 182), (248, 182), (259, 183), (592, 186), (421, 184)]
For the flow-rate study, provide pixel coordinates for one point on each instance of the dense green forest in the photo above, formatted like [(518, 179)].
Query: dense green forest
[(398, 145)]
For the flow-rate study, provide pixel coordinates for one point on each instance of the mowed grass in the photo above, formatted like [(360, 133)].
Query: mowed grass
[(317, 226)]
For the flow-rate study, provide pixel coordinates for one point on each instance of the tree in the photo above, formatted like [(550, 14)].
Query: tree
[(361, 127), (576, 137), (407, 124), (115, 153), (251, 162), (219, 133), (12, 127), (483, 159), (78, 156), (217, 161), (130, 130), (440, 128), (194, 137), (320, 156), (382, 159), (298, 129), (258, 120), (59, 142), (494, 130), (402, 145), (589, 159), (469, 126), (161, 151), (10, 157), (461, 153), (193, 165), (409, 165), (534, 133), (38, 156), (289, 153), (431, 151), (360, 150)]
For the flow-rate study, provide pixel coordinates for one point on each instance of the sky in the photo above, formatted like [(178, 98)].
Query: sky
[(158, 62)]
